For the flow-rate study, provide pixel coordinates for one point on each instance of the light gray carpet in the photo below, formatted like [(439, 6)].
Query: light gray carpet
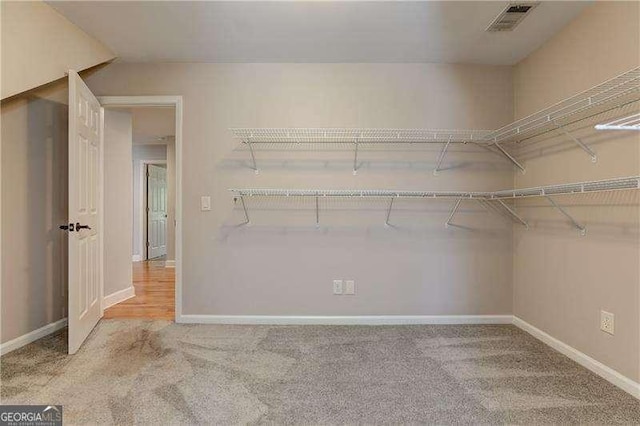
[(133, 371)]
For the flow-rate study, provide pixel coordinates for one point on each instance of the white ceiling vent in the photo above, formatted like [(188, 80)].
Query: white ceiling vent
[(511, 16)]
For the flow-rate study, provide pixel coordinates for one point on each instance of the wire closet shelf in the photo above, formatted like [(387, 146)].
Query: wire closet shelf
[(491, 201), (541, 191), (614, 93), (362, 136)]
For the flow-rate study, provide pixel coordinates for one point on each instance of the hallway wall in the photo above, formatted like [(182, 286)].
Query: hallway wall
[(118, 200)]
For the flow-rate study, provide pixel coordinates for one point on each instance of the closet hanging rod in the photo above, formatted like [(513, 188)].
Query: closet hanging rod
[(631, 122)]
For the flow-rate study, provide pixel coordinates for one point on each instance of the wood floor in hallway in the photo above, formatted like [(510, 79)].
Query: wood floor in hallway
[(155, 293)]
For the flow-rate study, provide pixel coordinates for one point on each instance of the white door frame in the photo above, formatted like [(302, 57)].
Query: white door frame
[(176, 102), (144, 215)]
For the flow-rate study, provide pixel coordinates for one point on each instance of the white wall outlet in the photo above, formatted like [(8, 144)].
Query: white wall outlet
[(606, 322), (337, 286), (350, 287), (205, 203)]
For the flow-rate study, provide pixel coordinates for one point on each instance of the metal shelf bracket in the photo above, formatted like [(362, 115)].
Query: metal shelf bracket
[(453, 212), (513, 214), (355, 158), (253, 157), (246, 214), (581, 228), (510, 157), (585, 148), (441, 156), (386, 222)]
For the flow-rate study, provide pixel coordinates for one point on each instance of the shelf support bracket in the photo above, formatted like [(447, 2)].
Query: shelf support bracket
[(246, 214), (441, 156), (513, 214), (580, 227), (317, 212), (355, 158), (453, 212), (386, 222), (585, 148), (253, 157), (490, 208), (510, 157)]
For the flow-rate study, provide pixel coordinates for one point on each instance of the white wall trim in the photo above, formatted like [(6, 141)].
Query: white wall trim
[(175, 101), (581, 358), (136, 258), (32, 336), (169, 263), (345, 320), (118, 296)]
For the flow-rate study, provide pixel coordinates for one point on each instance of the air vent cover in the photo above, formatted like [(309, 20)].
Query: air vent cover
[(511, 16)]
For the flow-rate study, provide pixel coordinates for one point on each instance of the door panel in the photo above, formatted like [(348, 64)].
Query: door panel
[(157, 211), (85, 186)]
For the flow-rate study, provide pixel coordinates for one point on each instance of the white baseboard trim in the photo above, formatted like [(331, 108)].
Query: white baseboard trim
[(25, 339), (581, 358), (345, 320), (169, 263), (137, 258), (117, 297)]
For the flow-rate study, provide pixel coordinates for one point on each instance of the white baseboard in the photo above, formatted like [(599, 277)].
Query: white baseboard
[(117, 297), (169, 263), (581, 358), (137, 258), (25, 339), (345, 320)]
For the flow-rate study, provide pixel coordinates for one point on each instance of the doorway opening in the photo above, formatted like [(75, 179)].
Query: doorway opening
[(140, 191)]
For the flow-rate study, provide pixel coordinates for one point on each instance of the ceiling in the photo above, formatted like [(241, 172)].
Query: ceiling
[(152, 125), (315, 31)]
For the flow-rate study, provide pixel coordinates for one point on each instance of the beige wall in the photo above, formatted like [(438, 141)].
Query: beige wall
[(39, 46), (118, 201), (282, 265), (34, 204), (562, 280)]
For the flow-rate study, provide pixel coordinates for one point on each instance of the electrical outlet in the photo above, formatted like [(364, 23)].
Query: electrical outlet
[(350, 287), (607, 322), (337, 286)]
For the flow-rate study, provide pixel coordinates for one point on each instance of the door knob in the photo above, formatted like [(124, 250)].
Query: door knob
[(79, 227), (69, 227)]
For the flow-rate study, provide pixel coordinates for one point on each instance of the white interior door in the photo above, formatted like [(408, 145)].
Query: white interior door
[(85, 189), (157, 211)]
